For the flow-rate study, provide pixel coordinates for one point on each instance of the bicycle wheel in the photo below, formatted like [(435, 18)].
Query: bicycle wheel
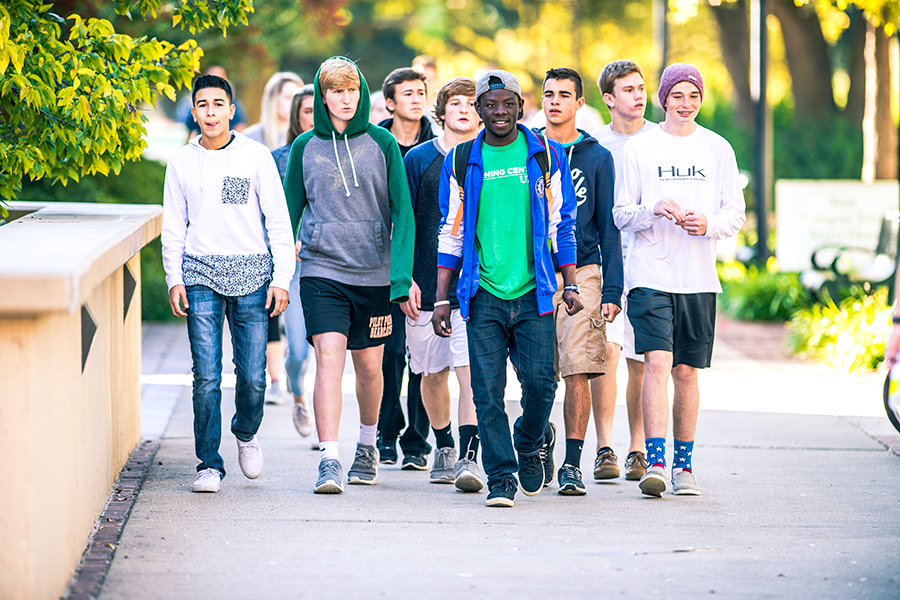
[(892, 400)]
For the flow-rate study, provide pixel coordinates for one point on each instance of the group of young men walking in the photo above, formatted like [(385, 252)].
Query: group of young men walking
[(492, 244)]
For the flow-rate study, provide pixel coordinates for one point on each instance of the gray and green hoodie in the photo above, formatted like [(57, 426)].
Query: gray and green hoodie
[(348, 194)]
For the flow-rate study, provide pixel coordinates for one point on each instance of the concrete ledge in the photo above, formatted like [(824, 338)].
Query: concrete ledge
[(54, 256), (70, 357)]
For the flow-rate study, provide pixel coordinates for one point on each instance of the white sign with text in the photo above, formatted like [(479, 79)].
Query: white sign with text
[(812, 214)]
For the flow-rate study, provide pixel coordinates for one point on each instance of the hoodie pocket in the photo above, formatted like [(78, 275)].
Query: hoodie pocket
[(235, 190), (356, 244)]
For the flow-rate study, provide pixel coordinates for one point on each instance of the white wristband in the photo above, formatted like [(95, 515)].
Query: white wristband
[(441, 303)]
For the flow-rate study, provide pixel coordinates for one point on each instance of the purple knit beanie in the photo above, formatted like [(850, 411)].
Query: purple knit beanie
[(675, 74)]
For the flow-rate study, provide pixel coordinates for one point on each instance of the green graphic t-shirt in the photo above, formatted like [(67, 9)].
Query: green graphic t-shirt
[(503, 230)]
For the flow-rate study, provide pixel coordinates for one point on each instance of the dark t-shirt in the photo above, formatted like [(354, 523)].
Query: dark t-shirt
[(423, 171)]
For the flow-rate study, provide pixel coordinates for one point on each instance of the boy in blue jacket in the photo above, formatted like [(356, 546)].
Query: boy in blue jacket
[(503, 227)]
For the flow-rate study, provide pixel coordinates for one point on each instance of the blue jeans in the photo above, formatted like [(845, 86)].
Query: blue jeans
[(295, 331), (248, 323), (497, 329)]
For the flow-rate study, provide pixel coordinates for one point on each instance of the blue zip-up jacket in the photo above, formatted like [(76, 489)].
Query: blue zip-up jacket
[(552, 218)]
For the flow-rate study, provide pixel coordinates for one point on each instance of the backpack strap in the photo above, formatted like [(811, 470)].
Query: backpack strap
[(460, 165), (545, 163)]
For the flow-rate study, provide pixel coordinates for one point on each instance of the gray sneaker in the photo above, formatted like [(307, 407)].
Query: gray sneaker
[(364, 470), (329, 481), (684, 483), (653, 483), (442, 465), (468, 477)]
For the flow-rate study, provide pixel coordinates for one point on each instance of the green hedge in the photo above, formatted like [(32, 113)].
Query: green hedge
[(761, 294), (849, 335), (138, 183)]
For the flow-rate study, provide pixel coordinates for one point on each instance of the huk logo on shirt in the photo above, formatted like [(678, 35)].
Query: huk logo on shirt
[(580, 188), (380, 327), (674, 173)]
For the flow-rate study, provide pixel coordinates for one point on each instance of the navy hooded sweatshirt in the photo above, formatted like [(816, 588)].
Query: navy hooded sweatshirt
[(598, 239)]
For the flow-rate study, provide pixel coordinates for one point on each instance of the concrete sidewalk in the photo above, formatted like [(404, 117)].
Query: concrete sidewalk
[(801, 500)]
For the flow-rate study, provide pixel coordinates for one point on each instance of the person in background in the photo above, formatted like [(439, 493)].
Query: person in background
[(300, 121), (432, 356), (624, 92), (404, 94), (271, 131), (379, 111), (275, 110)]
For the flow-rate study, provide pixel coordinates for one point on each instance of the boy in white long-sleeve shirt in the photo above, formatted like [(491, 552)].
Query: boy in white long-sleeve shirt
[(680, 193), (228, 253)]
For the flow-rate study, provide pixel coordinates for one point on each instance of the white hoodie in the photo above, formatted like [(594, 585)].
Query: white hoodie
[(700, 173), (225, 219)]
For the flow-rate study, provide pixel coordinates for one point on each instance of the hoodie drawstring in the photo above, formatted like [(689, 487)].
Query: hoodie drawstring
[(352, 166), (571, 149), (338, 159)]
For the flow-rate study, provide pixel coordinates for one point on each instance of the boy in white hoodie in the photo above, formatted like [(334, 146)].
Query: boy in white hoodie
[(228, 253), (680, 193)]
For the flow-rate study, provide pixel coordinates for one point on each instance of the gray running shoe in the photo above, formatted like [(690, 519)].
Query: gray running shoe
[(684, 484), (635, 465), (302, 421), (442, 466), (606, 464), (468, 477), (653, 483), (329, 481), (364, 470)]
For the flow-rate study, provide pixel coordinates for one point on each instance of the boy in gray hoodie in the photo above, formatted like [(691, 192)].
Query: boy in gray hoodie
[(346, 189)]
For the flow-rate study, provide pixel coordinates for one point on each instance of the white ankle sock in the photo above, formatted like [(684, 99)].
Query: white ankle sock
[(328, 450), (367, 434)]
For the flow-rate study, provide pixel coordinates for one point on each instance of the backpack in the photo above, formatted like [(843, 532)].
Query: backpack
[(461, 162)]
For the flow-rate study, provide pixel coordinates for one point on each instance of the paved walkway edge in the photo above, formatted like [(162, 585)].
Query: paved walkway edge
[(101, 547)]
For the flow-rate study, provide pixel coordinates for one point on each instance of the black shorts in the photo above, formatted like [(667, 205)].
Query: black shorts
[(683, 324), (274, 334), (361, 313)]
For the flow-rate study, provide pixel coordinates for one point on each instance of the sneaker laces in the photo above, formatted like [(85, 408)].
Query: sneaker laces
[(365, 454), (329, 467), (570, 471), (247, 447), (441, 458)]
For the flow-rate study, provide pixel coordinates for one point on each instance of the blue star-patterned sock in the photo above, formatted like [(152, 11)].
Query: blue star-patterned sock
[(656, 452), (683, 453)]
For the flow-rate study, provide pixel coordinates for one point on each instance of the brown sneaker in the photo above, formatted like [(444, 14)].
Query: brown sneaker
[(635, 465), (606, 464)]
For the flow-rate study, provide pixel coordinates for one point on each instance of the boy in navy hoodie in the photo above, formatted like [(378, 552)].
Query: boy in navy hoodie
[(581, 338)]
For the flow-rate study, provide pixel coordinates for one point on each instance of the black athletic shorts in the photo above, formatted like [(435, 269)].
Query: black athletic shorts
[(683, 324), (361, 313), (274, 329)]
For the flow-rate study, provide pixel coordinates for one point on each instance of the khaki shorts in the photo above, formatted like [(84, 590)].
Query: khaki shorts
[(581, 338)]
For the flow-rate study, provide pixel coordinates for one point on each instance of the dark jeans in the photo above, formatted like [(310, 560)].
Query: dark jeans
[(390, 416), (248, 323), (498, 329)]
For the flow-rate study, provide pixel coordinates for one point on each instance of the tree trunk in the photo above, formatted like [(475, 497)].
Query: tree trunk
[(885, 131), (734, 39), (807, 58), (856, 69)]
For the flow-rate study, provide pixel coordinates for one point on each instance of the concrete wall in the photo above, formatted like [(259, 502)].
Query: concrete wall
[(67, 425)]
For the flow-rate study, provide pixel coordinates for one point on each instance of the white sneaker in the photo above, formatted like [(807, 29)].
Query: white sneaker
[(207, 481), (250, 458), (274, 395)]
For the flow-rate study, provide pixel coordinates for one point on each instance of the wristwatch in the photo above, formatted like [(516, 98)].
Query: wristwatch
[(571, 288)]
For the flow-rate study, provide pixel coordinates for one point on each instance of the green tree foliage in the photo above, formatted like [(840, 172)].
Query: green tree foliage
[(72, 88)]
